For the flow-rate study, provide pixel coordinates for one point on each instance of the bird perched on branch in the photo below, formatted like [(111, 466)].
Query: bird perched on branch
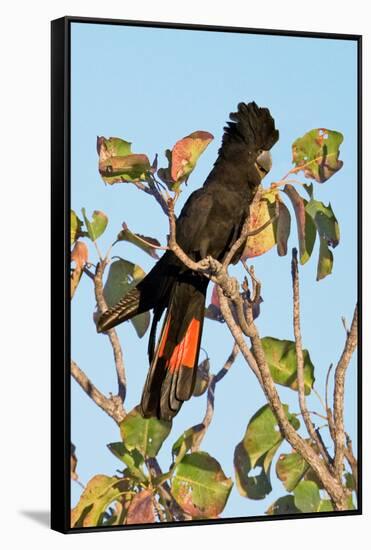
[(209, 223)]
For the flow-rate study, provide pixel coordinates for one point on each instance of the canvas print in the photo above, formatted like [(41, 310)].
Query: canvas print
[(214, 262)]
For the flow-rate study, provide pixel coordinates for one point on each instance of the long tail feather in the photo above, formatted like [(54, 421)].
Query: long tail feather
[(172, 374)]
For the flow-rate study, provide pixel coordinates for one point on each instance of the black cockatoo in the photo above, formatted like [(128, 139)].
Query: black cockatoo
[(209, 223)]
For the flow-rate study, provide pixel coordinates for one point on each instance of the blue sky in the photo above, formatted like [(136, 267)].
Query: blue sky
[(153, 87)]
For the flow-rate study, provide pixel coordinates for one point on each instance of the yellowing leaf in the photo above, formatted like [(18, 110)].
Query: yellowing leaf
[(186, 153), (260, 213), (200, 486), (317, 154), (75, 228), (183, 158), (290, 469), (98, 494), (118, 164)]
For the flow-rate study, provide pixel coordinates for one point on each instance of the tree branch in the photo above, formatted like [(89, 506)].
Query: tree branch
[(151, 190), (112, 334), (340, 372), (300, 360), (256, 360), (110, 405), (165, 491)]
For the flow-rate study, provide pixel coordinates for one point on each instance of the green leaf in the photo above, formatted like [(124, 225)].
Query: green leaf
[(122, 277), (183, 158), (144, 434), (112, 147), (350, 503), (133, 459), (305, 225), (98, 494), (257, 449), (76, 225), (325, 220), (139, 241), (309, 189), (325, 506), (281, 358), (141, 323), (283, 505), (200, 486), (290, 468), (117, 164), (263, 433), (257, 486), (349, 481), (317, 154), (310, 475), (97, 226), (328, 231), (325, 260), (283, 228), (187, 441), (307, 497)]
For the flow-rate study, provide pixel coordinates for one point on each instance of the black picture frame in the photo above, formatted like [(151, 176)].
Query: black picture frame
[(60, 258)]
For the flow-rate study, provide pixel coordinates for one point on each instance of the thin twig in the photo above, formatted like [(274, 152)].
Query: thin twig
[(319, 397), (348, 451), (88, 273), (300, 358), (112, 334), (327, 386), (352, 461), (314, 413), (164, 489), (110, 405), (153, 192), (340, 372)]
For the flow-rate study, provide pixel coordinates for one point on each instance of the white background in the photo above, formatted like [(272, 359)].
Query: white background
[(24, 290)]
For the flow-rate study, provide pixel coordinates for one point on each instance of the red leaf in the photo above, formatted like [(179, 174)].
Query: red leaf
[(79, 254), (141, 508)]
